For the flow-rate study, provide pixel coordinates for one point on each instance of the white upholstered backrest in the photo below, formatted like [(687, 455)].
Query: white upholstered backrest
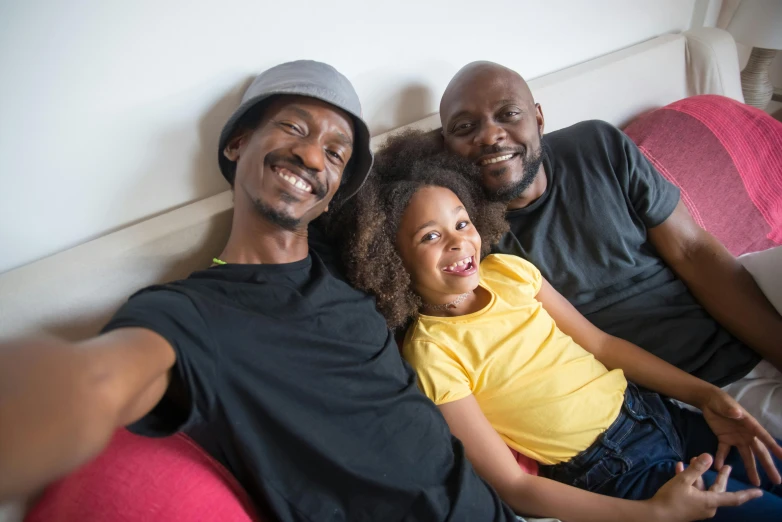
[(73, 293)]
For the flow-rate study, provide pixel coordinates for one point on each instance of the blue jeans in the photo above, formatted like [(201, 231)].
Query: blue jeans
[(639, 452)]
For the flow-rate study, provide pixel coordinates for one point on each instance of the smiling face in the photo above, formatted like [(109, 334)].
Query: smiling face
[(490, 118), (439, 246), (290, 166)]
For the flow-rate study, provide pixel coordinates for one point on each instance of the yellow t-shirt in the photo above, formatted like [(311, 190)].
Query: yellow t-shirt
[(546, 396)]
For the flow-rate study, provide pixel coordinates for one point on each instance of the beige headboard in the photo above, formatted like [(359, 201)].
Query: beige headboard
[(73, 293)]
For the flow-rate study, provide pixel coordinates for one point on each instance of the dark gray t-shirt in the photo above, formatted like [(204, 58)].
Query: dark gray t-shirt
[(588, 236)]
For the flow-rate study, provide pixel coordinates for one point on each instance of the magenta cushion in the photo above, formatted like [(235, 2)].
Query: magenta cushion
[(726, 157), (141, 479)]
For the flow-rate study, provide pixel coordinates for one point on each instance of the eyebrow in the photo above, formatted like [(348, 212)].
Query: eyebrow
[(344, 140), (432, 222), (301, 112)]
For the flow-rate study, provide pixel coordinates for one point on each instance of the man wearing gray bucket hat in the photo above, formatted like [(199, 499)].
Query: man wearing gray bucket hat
[(280, 369)]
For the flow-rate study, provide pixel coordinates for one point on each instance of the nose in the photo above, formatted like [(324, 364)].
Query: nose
[(489, 134), (311, 154), (455, 242)]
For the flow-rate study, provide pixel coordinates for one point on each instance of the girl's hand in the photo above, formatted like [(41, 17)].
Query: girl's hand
[(733, 426), (684, 498)]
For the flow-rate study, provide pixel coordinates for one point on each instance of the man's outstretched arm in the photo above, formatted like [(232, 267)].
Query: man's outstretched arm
[(720, 283), (60, 402)]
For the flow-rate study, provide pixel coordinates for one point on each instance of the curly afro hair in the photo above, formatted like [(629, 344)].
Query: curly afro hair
[(367, 225)]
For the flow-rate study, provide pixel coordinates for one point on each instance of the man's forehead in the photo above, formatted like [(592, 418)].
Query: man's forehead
[(481, 84)]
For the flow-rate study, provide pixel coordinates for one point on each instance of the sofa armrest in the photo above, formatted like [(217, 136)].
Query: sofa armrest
[(766, 268)]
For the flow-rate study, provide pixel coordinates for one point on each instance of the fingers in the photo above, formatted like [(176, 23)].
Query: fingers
[(764, 456), (768, 441), (679, 467), (763, 435), (732, 498), (721, 455), (699, 484), (698, 466), (749, 463), (721, 482)]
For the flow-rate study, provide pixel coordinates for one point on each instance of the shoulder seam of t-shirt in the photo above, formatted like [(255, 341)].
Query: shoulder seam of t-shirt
[(668, 195), (171, 289), (516, 263)]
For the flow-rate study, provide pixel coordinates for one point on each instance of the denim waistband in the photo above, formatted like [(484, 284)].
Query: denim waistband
[(639, 406)]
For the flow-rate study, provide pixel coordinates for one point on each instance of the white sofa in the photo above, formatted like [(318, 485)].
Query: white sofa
[(71, 294)]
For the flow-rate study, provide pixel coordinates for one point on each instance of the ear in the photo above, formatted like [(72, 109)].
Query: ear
[(540, 118), (326, 209), (235, 145)]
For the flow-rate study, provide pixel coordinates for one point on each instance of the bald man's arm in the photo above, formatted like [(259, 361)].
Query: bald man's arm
[(720, 283)]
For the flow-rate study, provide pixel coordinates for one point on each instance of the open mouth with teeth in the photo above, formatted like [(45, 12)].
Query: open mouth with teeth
[(293, 179), (496, 159), (464, 266)]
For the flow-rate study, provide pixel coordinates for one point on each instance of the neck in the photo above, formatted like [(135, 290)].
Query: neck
[(255, 240), (474, 302), (533, 192)]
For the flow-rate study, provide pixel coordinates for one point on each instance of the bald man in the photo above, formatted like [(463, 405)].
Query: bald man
[(612, 235)]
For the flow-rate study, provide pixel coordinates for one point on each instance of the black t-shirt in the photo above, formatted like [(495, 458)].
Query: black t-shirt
[(294, 382), (588, 236)]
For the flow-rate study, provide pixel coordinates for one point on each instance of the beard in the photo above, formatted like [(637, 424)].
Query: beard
[(512, 191), (275, 216)]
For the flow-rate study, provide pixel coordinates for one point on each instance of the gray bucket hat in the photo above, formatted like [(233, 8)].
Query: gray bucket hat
[(316, 80)]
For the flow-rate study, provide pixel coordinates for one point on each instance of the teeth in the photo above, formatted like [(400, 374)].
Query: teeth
[(296, 182), (463, 262), (496, 160)]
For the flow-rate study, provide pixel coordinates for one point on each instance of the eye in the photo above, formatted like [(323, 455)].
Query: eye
[(291, 126), (335, 155), (509, 113), (462, 225), (431, 236), (462, 128)]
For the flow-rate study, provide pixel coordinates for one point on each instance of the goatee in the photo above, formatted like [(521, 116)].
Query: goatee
[(514, 190), (272, 215)]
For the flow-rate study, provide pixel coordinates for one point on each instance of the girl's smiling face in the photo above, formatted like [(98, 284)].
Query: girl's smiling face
[(439, 246)]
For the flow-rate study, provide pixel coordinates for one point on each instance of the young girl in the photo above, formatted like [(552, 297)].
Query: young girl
[(512, 364)]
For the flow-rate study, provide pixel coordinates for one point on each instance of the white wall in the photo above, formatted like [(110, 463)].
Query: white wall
[(109, 110)]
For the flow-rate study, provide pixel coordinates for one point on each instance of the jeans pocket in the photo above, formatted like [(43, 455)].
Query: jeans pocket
[(603, 471)]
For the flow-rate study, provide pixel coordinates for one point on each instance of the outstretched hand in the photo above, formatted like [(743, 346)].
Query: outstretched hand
[(733, 426), (685, 498)]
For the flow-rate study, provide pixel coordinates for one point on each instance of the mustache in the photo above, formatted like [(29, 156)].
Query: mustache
[(297, 166), (496, 149)]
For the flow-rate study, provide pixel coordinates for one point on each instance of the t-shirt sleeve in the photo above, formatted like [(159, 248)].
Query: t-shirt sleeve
[(652, 196), (440, 375), (191, 392), (505, 268)]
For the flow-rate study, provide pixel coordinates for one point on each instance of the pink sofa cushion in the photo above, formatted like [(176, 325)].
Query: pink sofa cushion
[(141, 479), (726, 157)]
